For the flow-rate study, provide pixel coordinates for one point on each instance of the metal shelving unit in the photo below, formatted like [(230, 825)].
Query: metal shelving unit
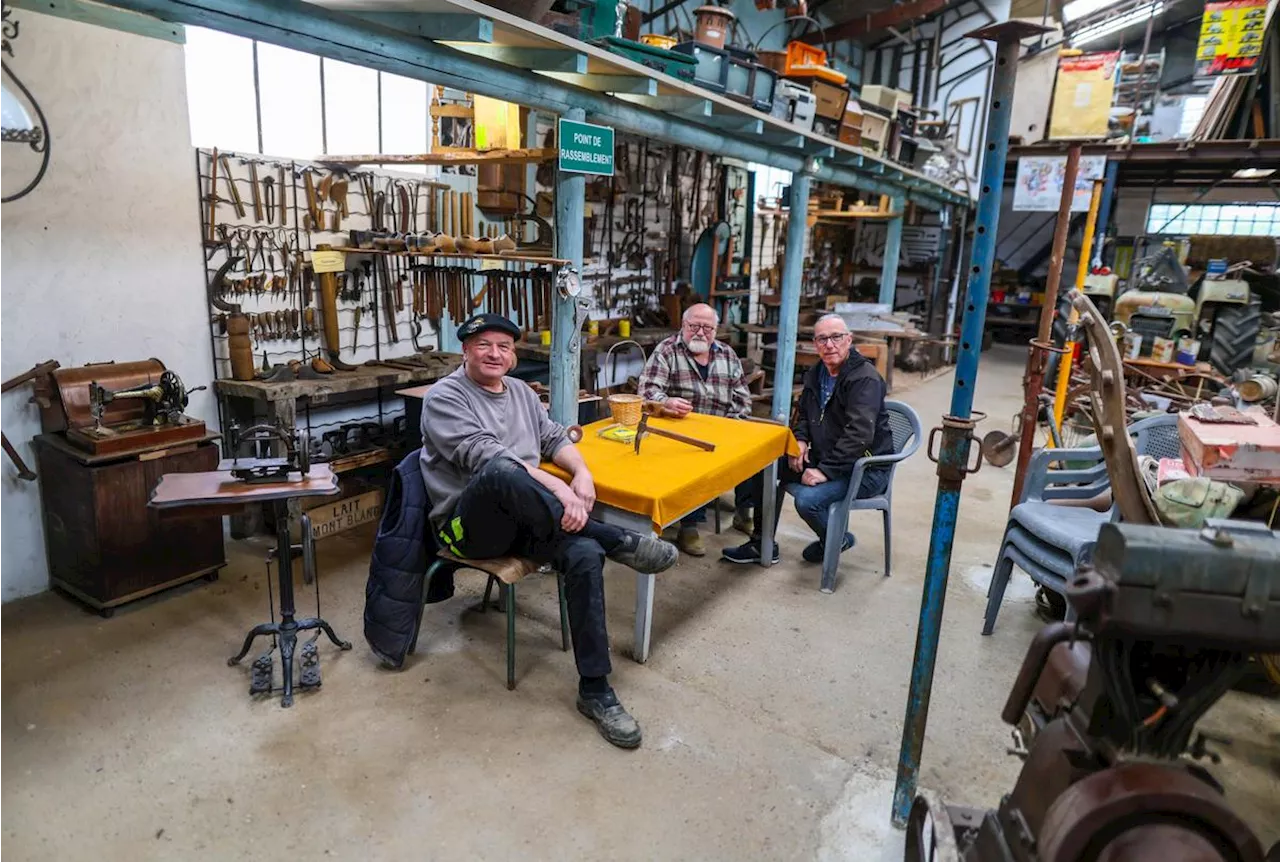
[(466, 44)]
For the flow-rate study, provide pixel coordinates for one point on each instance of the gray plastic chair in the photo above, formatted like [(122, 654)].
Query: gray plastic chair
[(905, 427), (1049, 541)]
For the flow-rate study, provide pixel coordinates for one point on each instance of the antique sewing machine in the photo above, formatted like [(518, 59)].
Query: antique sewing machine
[(163, 403), (246, 481), (296, 458), (1106, 707), (110, 431), (117, 407)]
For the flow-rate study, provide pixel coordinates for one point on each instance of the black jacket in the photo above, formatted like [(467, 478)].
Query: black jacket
[(405, 546), (854, 423)]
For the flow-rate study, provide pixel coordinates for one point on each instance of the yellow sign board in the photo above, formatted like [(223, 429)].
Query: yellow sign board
[(1231, 37), (1082, 95)]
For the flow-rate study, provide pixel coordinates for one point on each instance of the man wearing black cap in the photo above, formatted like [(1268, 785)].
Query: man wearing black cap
[(483, 436)]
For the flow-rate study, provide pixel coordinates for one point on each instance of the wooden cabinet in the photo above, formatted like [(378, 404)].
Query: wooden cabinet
[(104, 545)]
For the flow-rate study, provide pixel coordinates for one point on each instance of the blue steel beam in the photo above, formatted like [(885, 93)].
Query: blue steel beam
[(566, 340), (455, 28), (892, 252), (957, 427), (789, 308), (346, 37)]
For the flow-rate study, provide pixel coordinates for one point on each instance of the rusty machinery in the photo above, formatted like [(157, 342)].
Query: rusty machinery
[(1105, 709)]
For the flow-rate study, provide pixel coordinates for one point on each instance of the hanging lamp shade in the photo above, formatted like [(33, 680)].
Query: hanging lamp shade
[(13, 116)]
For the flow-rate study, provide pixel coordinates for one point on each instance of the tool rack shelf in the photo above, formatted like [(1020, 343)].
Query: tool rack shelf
[(512, 258), (363, 379)]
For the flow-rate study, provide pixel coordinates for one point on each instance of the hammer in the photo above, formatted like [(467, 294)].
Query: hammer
[(643, 429)]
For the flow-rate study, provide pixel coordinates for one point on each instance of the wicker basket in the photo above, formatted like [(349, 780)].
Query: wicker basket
[(625, 409)]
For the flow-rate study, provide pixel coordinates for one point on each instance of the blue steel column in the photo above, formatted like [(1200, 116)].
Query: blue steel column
[(1104, 211), (957, 427), (789, 310), (566, 344), (892, 251)]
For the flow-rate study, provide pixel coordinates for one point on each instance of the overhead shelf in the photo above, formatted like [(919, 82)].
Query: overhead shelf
[(1170, 163), (542, 53)]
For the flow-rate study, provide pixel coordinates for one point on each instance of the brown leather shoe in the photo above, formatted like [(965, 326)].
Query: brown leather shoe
[(690, 541)]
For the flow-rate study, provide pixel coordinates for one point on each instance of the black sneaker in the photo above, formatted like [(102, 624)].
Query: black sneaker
[(648, 557), (614, 723), (747, 553), (814, 551)]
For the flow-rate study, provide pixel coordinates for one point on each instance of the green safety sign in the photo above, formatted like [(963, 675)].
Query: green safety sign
[(585, 148)]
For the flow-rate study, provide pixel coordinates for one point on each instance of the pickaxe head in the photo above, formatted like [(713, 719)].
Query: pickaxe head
[(640, 429)]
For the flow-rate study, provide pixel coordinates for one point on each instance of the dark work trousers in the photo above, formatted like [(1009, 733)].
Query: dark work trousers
[(506, 512), (812, 501)]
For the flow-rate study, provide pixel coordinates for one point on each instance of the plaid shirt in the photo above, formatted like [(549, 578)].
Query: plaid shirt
[(670, 373)]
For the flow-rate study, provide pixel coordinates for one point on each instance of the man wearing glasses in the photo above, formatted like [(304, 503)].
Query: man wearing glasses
[(692, 372), (840, 418), (483, 436)]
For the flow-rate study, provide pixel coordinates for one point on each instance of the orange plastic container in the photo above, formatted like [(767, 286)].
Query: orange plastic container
[(806, 61)]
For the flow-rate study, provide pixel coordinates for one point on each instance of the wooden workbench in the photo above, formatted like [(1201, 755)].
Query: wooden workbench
[(250, 402)]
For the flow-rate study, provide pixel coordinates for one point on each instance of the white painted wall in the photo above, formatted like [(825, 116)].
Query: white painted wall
[(102, 260)]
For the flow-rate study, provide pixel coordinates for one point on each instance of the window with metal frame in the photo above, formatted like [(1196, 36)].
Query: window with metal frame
[(254, 97), (1231, 219)]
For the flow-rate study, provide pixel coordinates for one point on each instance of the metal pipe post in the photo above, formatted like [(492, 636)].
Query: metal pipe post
[(892, 251), (1033, 380), (1108, 200), (934, 316), (953, 298), (566, 341), (956, 430), (1082, 272), (789, 310)]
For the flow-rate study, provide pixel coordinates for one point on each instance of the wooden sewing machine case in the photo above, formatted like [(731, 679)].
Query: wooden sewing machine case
[(104, 545), (123, 428)]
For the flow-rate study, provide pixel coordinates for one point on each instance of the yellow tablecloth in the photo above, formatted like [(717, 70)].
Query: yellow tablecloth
[(669, 479)]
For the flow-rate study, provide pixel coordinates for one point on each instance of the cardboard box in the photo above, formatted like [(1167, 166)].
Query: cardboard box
[(875, 131), (1242, 453), (885, 97), (831, 99), (851, 124)]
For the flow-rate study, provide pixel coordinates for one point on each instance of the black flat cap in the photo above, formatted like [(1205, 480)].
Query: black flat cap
[(486, 322)]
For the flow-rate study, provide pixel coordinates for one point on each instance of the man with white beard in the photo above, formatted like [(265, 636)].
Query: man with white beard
[(692, 372)]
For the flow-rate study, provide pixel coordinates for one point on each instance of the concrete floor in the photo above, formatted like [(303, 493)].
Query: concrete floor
[(772, 713)]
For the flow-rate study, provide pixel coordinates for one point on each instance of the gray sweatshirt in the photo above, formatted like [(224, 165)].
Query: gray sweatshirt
[(464, 426)]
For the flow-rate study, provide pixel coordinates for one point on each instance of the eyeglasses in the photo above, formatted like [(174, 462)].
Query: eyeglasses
[(695, 328), (826, 340)]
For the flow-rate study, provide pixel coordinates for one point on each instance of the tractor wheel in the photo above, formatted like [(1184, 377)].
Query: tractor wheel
[(1235, 333)]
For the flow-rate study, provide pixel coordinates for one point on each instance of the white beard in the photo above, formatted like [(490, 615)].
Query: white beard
[(698, 345)]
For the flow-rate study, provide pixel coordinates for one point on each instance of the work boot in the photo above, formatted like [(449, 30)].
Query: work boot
[(646, 554), (690, 541), (814, 551), (743, 522), (747, 553), (612, 720)]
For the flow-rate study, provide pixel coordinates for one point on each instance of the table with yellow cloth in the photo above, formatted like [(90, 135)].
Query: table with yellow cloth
[(669, 479)]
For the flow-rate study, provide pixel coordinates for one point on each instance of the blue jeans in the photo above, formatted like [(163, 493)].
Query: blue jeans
[(812, 501)]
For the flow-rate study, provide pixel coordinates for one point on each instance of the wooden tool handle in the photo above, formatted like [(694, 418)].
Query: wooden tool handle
[(671, 435)]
